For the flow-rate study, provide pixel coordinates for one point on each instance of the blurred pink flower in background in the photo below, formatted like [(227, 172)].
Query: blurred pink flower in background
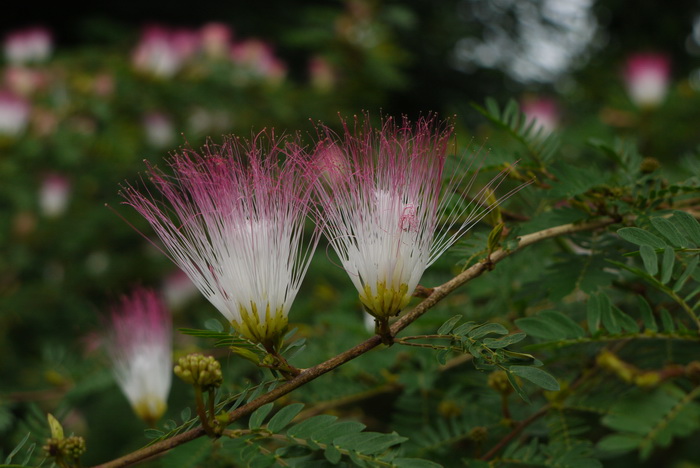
[(160, 131), (321, 74), (139, 343), (103, 84), (647, 78), (543, 111), (54, 194), (14, 114), (258, 59), (178, 289), (23, 80), (162, 52), (215, 39), (28, 45)]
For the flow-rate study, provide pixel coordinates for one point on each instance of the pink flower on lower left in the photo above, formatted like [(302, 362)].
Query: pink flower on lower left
[(139, 343)]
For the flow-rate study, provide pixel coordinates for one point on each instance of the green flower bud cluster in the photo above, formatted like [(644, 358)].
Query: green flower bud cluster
[(69, 448), (498, 380), (199, 370)]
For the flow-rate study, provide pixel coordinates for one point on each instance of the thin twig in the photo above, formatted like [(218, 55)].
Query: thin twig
[(312, 373)]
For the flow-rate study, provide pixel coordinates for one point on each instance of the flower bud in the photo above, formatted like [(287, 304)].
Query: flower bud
[(199, 370)]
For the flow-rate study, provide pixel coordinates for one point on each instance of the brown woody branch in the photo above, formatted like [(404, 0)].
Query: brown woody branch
[(437, 294)]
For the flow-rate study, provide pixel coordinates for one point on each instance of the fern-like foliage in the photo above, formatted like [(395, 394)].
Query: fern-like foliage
[(319, 441), (538, 146)]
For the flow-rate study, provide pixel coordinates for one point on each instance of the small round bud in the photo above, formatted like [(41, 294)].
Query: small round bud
[(449, 409), (498, 380), (52, 447), (73, 447), (649, 165), (478, 434), (199, 370), (692, 371), (70, 448)]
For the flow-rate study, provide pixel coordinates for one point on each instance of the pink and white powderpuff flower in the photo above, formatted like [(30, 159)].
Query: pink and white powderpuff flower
[(162, 52), (159, 129), (544, 112), (233, 220), (647, 78), (14, 114), (139, 343), (216, 39), (54, 194), (23, 80), (257, 60), (322, 75), (28, 45), (387, 215)]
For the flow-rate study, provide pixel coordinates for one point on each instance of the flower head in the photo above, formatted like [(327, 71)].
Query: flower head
[(543, 113), (162, 52), (387, 217), (28, 45), (233, 221), (54, 194), (14, 114), (139, 343), (647, 76)]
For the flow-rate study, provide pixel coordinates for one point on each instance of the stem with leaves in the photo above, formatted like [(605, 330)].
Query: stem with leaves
[(312, 373)]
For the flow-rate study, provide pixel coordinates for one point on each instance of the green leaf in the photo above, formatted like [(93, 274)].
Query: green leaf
[(55, 427), (620, 442), (379, 444), (441, 356), (667, 321), (487, 329), (689, 270), (494, 238), (303, 429), (537, 376), (447, 327), (16, 450), (593, 313), (414, 463), (329, 434), (153, 433), (667, 263), (355, 442), (516, 386), (607, 316), (332, 454), (626, 322), (284, 416), (669, 231), (497, 343), (688, 225), (550, 325), (651, 262), (641, 237), (464, 328), (259, 416), (647, 314), (214, 325)]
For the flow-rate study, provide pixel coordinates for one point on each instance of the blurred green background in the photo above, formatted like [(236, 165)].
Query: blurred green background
[(78, 119)]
